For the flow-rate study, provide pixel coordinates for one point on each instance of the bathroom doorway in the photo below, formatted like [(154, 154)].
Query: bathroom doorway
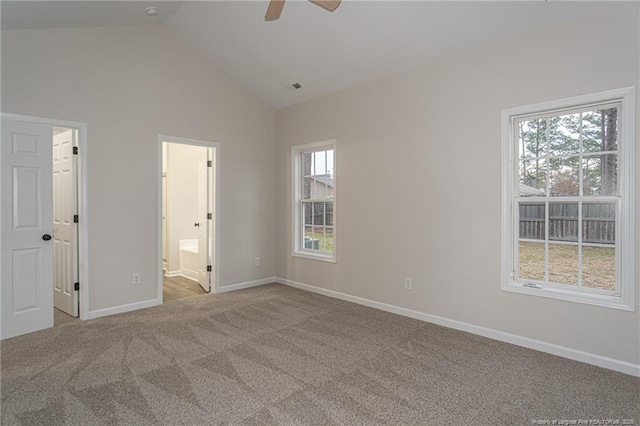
[(188, 219)]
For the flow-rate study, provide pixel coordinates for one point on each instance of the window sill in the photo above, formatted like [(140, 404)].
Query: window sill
[(602, 300), (314, 256)]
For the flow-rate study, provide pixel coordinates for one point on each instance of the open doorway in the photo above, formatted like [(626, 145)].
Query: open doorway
[(187, 211)]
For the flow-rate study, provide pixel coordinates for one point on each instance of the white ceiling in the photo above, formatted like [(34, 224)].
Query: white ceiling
[(324, 52), (18, 15)]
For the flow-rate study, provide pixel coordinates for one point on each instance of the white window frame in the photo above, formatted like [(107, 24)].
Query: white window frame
[(297, 249), (624, 297)]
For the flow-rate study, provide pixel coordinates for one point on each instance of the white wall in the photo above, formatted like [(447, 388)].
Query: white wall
[(428, 136), (182, 197), (130, 84)]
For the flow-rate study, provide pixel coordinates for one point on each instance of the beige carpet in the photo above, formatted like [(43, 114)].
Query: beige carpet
[(276, 355)]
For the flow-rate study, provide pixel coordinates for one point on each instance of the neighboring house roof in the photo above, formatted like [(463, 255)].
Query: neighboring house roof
[(325, 179), (529, 190)]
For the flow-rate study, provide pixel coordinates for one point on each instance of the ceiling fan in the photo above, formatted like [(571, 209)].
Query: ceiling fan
[(275, 7)]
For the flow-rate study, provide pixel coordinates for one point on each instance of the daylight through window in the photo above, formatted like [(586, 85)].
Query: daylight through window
[(315, 193), (567, 212)]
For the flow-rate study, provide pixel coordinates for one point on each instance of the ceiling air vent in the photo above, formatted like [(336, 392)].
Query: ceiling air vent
[(295, 86)]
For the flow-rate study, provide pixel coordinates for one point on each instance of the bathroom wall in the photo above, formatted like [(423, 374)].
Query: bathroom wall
[(182, 198)]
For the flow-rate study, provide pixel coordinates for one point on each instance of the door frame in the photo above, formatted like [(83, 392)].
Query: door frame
[(216, 213), (83, 210)]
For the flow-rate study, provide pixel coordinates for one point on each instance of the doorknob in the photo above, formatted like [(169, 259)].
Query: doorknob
[(196, 224), (46, 237)]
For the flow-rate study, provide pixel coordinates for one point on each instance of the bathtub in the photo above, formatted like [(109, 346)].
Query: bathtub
[(189, 258)]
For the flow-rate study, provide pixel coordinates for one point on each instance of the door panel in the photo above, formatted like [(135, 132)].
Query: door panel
[(26, 205), (65, 237), (26, 268), (203, 229)]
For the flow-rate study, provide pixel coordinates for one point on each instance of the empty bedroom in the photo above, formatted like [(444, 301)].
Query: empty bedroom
[(320, 212)]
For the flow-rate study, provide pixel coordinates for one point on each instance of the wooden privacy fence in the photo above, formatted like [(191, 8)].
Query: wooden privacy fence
[(598, 222)]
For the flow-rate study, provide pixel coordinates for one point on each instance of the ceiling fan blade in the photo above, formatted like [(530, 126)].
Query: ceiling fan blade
[(274, 10), (329, 5)]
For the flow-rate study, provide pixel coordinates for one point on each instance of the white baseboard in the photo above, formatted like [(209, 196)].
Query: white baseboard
[(184, 273), (122, 308), (573, 354), (188, 273), (246, 284), (155, 302)]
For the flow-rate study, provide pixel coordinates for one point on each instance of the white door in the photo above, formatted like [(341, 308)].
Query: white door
[(204, 251), (65, 231), (26, 224)]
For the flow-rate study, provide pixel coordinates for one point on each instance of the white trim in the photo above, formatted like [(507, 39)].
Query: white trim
[(216, 214), (296, 251), (246, 284), (625, 258), (180, 273), (83, 209), (317, 256), (98, 313), (189, 274), (573, 354)]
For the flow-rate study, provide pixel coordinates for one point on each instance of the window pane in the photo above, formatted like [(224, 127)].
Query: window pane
[(563, 222), (532, 221), (531, 138), (599, 267), (564, 178), (328, 214), (318, 213), (564, 134), (531, 261), (320, 188), (533, 178), (326, 243), (310, 239), (307, 215), (330, 163), (599, 223), (600, 174), (306, 188), (600, 130), (306, 163), (563, 264)]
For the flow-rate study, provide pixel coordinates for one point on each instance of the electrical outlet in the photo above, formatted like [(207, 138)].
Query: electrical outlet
[(136, 278), (257, 261), (408, 284)]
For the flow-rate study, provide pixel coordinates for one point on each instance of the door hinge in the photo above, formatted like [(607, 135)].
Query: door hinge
[(209, 215), (76, 286), (75, 218), (209, 163), (208, 268), (75, 150)]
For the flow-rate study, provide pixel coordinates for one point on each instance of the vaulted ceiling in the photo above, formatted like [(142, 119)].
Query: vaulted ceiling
[(322, 51)]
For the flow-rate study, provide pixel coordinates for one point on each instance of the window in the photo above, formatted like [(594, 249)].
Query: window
[(314, 185), (568, 199)]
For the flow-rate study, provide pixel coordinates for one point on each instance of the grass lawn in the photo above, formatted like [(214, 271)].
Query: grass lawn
[(598, 264), (326, 240)]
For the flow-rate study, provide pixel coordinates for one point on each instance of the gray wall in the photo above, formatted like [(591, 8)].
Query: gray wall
[(428, 135), (130, 84)]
